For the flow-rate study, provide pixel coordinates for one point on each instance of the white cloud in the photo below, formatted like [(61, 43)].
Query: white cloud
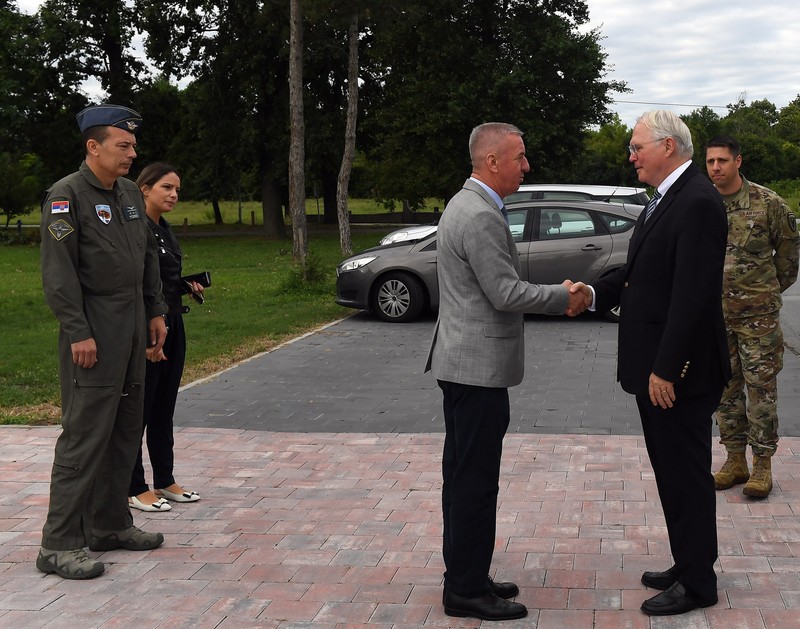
[(28, 7), (687, 52)]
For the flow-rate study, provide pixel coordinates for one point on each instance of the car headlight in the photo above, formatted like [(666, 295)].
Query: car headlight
[(392, 238), (356, 263)]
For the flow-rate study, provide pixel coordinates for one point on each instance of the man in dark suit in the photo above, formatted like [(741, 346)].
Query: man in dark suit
[(672, 350), (476, 354)]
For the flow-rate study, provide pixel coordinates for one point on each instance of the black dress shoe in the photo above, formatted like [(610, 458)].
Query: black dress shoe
[(503, 589), (486, 607), (660, 580), (675, 600)]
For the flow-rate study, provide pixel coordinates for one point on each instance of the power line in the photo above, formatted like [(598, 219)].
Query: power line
[(642, 102)]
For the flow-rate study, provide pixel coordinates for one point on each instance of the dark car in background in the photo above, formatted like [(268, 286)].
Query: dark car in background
[(556, 240)]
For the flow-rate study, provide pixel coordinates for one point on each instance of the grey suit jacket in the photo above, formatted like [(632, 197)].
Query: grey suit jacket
[(478, 339)]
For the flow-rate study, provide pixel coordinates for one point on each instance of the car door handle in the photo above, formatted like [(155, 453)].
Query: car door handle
[(591, 248)]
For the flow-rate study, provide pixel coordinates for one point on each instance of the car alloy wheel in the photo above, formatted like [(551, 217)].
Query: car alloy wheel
[(398, 297)]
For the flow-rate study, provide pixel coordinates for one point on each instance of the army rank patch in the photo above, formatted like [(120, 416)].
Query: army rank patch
[(60, 229), (792, 221), (131, 212)]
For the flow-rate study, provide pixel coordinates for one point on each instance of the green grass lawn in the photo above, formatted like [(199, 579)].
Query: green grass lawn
[(255, 302), (200, 213)]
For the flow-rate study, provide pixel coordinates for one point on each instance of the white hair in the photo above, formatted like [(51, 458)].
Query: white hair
[(665, 124)]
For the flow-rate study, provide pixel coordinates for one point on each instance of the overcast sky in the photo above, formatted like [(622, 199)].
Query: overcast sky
[(673, 53), (688, 52)]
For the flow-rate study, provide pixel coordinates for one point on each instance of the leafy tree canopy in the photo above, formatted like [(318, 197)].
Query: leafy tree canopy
[(453, 64)]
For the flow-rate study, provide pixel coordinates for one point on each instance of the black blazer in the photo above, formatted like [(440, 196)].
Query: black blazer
[(670, 293)]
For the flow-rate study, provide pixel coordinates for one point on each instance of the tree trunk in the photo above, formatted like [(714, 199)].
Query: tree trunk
[(217, 211), (297, 185), (349, 139), (271, 208), (119, 91), (330, 184)]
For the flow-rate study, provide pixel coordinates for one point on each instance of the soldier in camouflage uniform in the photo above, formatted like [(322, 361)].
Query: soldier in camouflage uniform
[(761, 262)]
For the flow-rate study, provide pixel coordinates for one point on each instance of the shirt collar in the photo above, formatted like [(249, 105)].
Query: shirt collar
[(673, 177), (495, 197)]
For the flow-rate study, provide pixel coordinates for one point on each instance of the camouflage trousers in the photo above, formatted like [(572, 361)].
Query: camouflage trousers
[(748, 412)]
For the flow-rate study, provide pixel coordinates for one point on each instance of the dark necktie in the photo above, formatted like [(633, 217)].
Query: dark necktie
[(504, 212), (651, 205)]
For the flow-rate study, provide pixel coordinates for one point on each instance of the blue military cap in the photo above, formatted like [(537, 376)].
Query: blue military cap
[(109, 116)]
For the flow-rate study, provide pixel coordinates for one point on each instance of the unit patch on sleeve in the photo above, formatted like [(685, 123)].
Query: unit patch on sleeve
[(103, 213), (60, 229), (59, 207)]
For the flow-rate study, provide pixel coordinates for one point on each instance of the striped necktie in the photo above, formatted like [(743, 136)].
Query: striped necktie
[(651, 205)]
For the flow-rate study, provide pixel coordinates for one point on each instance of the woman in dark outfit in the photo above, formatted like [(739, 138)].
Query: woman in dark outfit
[(160, 185)]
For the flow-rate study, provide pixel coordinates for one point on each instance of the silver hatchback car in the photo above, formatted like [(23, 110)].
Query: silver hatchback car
[(579, 192), (556, 240), (548, 191)]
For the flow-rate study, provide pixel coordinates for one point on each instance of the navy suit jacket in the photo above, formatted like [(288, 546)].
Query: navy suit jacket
[(670, 293)]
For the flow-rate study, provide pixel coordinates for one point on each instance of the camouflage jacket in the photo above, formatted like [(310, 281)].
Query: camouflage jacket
[(762, 255)]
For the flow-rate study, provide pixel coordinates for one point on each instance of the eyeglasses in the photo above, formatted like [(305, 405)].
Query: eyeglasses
[(633, 149)]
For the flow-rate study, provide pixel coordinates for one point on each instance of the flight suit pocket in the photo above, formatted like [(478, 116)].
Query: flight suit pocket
[(103, 262), (87, 421)]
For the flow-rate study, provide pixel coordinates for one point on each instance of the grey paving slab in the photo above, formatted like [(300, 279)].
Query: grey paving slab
[(330, 531), (363, 375), (314, 515)]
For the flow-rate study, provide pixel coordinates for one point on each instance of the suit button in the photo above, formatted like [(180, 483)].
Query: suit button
[(625, 284)]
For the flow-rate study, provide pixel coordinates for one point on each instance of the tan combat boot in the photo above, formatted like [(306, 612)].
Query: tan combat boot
[(733, 472), (760, 483)]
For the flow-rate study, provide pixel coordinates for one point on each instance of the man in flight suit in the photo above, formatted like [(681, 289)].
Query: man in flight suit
[(101, 280), (760, 263)]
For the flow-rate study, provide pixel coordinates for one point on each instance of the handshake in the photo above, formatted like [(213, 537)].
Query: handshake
[(580, 297)]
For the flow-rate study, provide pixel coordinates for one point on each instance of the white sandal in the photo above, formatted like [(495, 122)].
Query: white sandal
[(186, 496), (159, 505)]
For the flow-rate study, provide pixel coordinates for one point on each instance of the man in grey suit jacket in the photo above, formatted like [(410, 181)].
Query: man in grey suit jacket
[(476, 354)]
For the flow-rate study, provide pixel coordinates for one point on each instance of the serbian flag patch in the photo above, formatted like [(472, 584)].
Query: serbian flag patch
[(59, 207)]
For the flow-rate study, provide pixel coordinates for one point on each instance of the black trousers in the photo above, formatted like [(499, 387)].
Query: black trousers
[(678, 443), (476, 420), (162, 381)]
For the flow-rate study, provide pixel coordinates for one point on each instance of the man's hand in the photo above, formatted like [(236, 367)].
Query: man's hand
[(155, 356), (662, 392), (158, 333), (84, 353), (580, 297)]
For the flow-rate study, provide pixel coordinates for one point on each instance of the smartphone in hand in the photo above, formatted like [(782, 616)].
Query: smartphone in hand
[(204, 279)]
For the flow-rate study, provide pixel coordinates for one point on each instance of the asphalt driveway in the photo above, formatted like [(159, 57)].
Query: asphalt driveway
[(363, 375)]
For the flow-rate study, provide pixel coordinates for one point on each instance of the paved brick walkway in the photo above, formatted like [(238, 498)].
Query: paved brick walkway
[(343, 530), (318, 464)]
